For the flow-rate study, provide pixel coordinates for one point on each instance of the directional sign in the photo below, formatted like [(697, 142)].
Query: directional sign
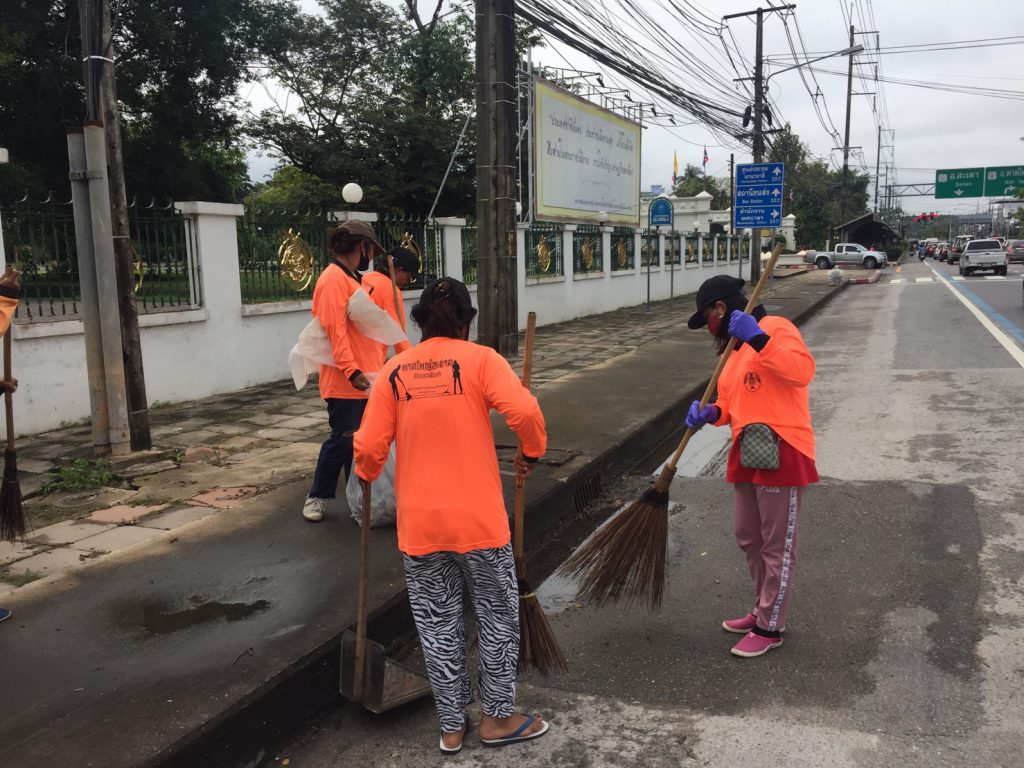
[(960, 182), (1003, 180), (758, 195), (659, 214)]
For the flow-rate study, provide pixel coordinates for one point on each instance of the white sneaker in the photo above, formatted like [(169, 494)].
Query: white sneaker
[(313, 510)]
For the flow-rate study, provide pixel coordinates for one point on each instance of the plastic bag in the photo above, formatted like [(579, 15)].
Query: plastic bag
[(312, 350), (372, 321), (383, 507)]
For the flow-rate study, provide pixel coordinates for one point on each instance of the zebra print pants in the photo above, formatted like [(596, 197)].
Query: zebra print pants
[(435, 583)]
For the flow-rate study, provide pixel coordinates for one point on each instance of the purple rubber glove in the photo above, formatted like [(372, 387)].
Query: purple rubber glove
[(698, 417), (743, 326)]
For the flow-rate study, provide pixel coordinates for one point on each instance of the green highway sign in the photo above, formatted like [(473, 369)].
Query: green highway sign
[(960, 182), (1002, 180)]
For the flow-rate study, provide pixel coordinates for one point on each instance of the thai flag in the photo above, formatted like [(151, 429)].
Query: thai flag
[(675, 168), (705, 158)]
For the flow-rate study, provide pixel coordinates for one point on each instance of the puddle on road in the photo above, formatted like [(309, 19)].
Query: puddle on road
[(162, 618)]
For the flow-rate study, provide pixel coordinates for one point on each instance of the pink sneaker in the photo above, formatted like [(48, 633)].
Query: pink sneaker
[(754, 645), (740, 626)]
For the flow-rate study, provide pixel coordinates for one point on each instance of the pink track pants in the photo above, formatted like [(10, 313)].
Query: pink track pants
[(765, 521)]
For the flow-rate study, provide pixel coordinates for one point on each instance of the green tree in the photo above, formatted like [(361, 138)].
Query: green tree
[(694, 181), (817, 191), (179, 66), (293, 189), (381, 100)]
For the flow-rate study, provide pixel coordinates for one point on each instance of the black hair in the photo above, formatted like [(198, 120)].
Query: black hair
[(342, 242), (442, 314)]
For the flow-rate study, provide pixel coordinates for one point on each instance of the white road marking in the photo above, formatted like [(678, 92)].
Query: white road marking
[(924, 280), (959, 278), (1005, 341), (898, 280), (994, 277)]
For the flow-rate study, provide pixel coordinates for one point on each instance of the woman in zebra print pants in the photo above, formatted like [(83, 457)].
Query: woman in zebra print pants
[(452, 524)]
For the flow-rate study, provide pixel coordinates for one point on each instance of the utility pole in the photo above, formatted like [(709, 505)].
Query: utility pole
[(846, 138), (131, 343), (498, 324), (89, 176), (878, 165), (757, 133)]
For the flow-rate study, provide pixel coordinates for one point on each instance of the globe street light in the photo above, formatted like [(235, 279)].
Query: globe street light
[(602, 217), (352, 193)]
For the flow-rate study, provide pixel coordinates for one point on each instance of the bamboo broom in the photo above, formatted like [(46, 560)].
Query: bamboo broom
[(538, 646), (12, 510), (625, 558)]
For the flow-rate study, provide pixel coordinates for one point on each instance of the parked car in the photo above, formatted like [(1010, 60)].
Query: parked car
[(846, 253), (1015, 250), (983, 254)]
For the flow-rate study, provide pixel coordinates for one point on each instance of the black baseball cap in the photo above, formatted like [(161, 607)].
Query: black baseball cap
[(407, 260), (717, 288), (448, 287)]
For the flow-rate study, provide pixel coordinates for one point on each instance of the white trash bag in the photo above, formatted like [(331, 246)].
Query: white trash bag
[(372, 321), (383, 507), (312, 350)]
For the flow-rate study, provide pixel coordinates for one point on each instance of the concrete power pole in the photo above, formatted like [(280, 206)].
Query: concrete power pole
[(497, 99), (846, 137), (131, 343), (89, 176)]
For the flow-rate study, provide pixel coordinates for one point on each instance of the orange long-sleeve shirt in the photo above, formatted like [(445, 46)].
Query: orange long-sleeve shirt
[(434, 401), (352, 351), (770, 386), (379, 286), (7, 307)]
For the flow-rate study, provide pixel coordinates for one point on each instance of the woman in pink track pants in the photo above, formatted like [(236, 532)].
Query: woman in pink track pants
[(762, 395)]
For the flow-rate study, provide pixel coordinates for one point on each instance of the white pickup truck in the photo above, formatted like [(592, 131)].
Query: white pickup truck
[(983, 254), (846, 253)]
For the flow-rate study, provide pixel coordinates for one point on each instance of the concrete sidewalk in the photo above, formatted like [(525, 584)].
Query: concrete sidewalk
[(170, 606)]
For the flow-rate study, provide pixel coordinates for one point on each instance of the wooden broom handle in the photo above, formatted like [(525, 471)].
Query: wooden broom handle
[(8, 397), (399, 313), (359, 678), (755, 298), (517, 543)]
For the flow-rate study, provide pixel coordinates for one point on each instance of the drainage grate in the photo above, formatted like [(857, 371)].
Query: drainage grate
[(585, 493)]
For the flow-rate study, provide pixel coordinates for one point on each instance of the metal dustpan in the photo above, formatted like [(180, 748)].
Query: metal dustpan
[(368, 677), (386, 683)]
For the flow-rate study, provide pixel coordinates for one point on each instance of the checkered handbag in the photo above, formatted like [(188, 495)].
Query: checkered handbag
[(759, 447)]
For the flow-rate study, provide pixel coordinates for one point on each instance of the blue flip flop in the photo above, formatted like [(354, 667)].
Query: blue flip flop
[(455, 750), (517, 736)]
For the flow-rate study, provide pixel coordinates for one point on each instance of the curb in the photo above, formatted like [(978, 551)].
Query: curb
[(867, 280), (242, 736)]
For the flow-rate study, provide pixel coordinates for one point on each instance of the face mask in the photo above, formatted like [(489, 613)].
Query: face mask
[(715, 324)]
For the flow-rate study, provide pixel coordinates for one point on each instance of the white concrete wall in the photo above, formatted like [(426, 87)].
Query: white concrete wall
[(225, 346)]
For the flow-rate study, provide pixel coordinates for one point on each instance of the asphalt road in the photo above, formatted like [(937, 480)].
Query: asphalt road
[(904, 644)]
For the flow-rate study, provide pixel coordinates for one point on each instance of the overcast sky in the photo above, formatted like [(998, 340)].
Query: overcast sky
[(933, 129)]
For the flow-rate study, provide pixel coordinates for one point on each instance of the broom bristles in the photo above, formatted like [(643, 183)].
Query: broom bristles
[(12, 510), (538, 646), (625, 558)]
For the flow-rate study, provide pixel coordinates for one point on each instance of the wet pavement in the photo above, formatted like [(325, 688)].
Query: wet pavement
[(215, 588)]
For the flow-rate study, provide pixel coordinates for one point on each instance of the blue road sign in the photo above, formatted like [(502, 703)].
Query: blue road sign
[(758, 195), (659, 214)]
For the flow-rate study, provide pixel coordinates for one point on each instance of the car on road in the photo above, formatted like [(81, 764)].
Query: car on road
[(983, 254), (957, 248), (846, 253), (942, 251), (1015, 250)]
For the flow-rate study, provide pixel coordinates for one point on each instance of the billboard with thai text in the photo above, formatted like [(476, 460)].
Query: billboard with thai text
[(586, 160)]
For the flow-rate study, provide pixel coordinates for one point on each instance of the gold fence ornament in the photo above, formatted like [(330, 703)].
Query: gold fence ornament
[(622, 252), (296, 261), (137, 269), (587, 249), (543, 254)]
